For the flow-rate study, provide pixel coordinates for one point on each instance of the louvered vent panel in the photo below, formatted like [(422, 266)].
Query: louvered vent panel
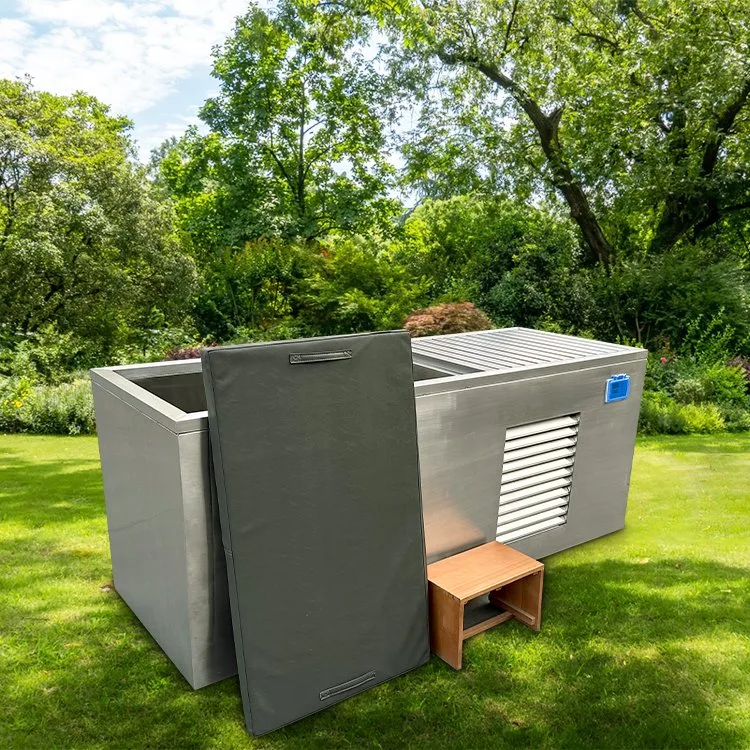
[(537, 474)]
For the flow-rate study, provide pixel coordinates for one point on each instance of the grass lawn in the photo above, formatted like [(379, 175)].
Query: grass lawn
[(645, 641)]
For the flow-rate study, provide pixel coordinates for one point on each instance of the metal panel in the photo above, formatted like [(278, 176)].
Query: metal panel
[(462, 435), (512, 348), (315, 450), (161, 530), (211, 639)]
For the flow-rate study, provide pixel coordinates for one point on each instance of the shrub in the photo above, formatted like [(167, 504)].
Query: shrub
[(725, 385), (66, 409), (15, 393), (696, 391), (744, 364), (186, 352), (457, 317), (690, 391), (702, 418), (735, 418), (46, 356), (661, 414)]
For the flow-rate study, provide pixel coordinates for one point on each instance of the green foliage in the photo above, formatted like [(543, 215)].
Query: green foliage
[(699, 390), (14, 397), (64, 409), (297, 143), (357, 285), (634, 114), (296, 151), (512, 260), (279, 219), (661, 414), (251, 287), (736, 419), (84, 244), (666, 299), (44, 356)]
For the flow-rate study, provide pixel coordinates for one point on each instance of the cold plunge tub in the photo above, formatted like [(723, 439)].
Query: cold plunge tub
[(524, 436)]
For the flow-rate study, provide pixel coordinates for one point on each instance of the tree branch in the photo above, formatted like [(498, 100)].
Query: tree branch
[(724, 124), (737, 207), (509, 28), (701, 210), (281, 167), (547, 129)]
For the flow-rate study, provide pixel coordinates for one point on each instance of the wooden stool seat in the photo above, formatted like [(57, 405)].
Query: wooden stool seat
[(458, 586)]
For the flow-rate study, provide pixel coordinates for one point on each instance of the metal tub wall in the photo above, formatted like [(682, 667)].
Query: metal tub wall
[(167, 560), (462, 423)]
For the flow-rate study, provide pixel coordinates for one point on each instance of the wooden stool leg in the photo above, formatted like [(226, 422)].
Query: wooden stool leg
[(446, 626), (523, 598)]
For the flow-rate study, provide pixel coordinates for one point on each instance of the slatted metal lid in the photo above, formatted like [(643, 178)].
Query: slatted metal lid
[(513, 349)]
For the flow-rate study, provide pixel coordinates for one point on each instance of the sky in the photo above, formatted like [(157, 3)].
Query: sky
[(148, 59)]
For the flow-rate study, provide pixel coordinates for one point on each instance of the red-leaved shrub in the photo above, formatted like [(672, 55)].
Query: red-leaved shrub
[(452, 317), (186, 352)]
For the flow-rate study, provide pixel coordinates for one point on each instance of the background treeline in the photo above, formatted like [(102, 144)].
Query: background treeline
[(583, 169)]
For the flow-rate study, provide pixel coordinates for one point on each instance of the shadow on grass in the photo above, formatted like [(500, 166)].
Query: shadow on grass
[(617, 664), (41, 492)]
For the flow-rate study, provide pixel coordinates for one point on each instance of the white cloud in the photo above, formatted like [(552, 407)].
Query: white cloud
[(149, 137), (131, 54)]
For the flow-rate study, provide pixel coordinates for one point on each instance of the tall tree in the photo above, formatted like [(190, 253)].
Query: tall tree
[(84, 243), (307, 108), (634, 112)]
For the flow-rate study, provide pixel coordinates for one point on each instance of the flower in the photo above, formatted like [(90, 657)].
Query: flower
[(664, 360)]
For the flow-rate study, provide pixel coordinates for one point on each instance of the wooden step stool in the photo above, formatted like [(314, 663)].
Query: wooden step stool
[(513, 581)]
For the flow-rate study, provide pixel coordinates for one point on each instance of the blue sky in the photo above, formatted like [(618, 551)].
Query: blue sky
[(148, 59)]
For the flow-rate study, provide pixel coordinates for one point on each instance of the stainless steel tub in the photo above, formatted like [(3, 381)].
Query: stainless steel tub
[(516, 441)]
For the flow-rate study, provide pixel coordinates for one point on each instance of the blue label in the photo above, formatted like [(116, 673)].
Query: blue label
[(618, 389)]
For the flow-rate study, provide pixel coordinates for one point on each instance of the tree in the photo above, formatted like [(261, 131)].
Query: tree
[(305, 108), (634, 112), (84, 244), (514, 261), (296, 149)]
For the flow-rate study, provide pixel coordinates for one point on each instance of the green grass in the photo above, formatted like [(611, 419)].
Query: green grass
[(645, 640)]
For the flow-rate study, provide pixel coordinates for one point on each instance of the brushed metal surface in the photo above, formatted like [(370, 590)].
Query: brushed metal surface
[(513, 348), (163, 537), (461, 441)]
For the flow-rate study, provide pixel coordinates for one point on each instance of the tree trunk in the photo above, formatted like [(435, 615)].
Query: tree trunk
[(563, 178)]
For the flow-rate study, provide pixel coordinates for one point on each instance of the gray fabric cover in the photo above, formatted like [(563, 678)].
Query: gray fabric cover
[(314, 447)]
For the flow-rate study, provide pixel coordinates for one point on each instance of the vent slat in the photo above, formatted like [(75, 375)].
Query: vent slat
[(537, 448), (559, 494), (537, 475), (530, 520), (539, 478), (534, 490), (511, 465), (529, 530), (533, 471), (523, 442), (536, 507), (536, 428)]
